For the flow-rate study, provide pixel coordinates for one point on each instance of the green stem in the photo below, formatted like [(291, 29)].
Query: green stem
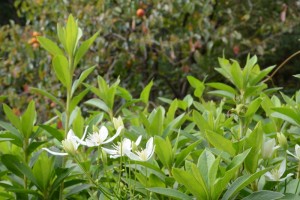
[(88, 175)]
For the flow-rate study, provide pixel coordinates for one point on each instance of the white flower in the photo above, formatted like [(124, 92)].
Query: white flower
[(70, 145), (269, 148), (276, 174), (100, 137), (120, 149), (144, 154), (297, 152)]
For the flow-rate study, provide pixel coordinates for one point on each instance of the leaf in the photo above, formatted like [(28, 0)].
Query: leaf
[(71, 35), (50, 46), (43, 170), (231, 170), (163, 150), (180, 157), (241, 182), (264, 194), (15, 165), (170, 193), (13, 133), (237, 75), (14, 120), (125, 94), (28, 120), (82, 77), (253, 107), (190, 182), (61, 68), (99, 104), (197, 84), (156, 123), (204, 165), (81, 51), (220, 142), (145, 93), (59, 135), (47, 94), (75, 100), (254, 141), (33, 146), (223, 87), (287, 114)]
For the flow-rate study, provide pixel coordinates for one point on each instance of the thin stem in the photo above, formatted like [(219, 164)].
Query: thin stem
[(281, 65)]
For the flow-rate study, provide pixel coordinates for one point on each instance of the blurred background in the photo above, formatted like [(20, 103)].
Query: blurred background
[(140, 41)]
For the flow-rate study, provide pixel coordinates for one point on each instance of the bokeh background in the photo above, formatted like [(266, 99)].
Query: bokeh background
[(168, 41)]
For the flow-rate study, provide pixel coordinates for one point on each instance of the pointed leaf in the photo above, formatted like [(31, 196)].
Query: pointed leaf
[(50, 46), (84, 47)]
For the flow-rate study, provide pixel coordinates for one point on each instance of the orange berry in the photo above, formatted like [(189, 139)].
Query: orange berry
[(33, 40), (35, 45), (35, 33), (140, 12)]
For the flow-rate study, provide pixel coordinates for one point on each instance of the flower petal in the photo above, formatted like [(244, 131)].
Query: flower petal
[(133, 156), (103, 133), (149, 146), (269, 176), (138, 141), (110, 151), (113, 137), (55, 153), (282, 167)]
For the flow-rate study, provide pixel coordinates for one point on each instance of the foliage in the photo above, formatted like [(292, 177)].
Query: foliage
[(172, 40), (242, 145)]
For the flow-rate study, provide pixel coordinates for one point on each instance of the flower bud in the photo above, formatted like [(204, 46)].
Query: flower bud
[(118, 122), (69, 147), (282, 140)]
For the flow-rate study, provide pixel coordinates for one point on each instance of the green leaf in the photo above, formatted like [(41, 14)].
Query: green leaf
[(254, 141), (15, 165), (220, 142), (71, 35), (50, 46), (197, 84), (82, 77), (62, 71), (28, 120), (170, 193), (13, 133), (261, 75), (75, 100), (173, 125), (264, 194), (156, 123), (205, 162), (253, 107), (99, 104), (287, 114), (81, 51), (59, 135), (43, 170), (14, 120), (47, 94), (237, 75), (241, 182), (181, 156), (163, 150), (231, 170), (224, 87), (145, 93), (125, 94), (201, 123), (190, 182)]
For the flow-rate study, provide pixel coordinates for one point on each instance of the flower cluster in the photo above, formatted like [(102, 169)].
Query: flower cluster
[(125, 147)]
